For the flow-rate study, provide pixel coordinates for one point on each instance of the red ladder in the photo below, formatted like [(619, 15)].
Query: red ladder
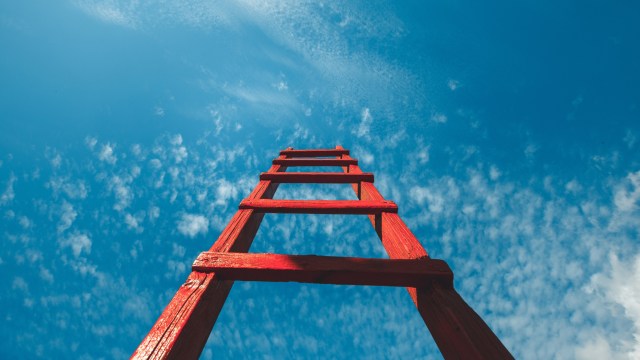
[(182, 329)]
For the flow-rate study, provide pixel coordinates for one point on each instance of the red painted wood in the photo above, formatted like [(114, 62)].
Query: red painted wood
[(324, 269), (456, 328), (319, 206), (182, 329), (317, 177), (315, 162), (314, 152)]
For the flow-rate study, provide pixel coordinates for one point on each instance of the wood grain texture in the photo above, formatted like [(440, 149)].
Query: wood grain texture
[(319, 206), (315, 162), (184, 326), (314, 152), (317, 177), (457, 329), (324, 269)]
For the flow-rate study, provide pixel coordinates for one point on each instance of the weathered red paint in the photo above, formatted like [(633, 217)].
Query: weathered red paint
[(182, 329), (317, 177), (315, 162), (319, 206), (457, 329), (325, 269)]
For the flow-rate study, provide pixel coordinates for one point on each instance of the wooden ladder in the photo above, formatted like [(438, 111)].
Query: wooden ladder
[(182, 329)]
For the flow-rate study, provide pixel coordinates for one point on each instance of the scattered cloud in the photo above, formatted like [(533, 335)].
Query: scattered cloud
[(627, 196), (119, 186), (8, 194), (90, 142), (78, 242), (629, 139), (67, 216), (192, 225), (225, 192), (365, 123), (530, 151), (439, 118), (617, 287), (106, 154), (423, 155), (133, 222), (111, 12)]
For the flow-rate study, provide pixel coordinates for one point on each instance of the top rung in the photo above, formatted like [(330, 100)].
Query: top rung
[(314, 153)]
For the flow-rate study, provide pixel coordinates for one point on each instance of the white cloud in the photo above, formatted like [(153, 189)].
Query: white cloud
[(123, 194), (573, 186), (8, 195), (107, 155), (423, 155), (133, 222), (365, 123), (629, 139), (281, 85), (56, 161), (78, 242), (46, 275), (225, 191), (25, 222), (439, 118), (176, 140), (597, 348), (20, 284), (155, 163), (179, 153), (193, 224), (367, 158), (494, 173), (154, 213), (621, 286), (453, 84), (111, 12), (433, 200), (627, 194), (530, 151), (73, 189), (67, 216), (90, 142)]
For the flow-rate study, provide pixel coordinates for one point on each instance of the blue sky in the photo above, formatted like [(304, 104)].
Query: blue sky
[(508, 133)]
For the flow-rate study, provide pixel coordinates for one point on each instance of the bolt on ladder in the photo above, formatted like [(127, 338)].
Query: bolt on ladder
[(182, 329)]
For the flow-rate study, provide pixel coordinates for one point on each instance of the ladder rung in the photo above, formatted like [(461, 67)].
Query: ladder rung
[(315, 162), (324, 269), (317, 177), (313, 153), (320, 206)]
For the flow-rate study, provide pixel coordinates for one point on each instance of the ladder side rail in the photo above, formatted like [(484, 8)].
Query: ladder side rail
[(459, 332), (184, 326)]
